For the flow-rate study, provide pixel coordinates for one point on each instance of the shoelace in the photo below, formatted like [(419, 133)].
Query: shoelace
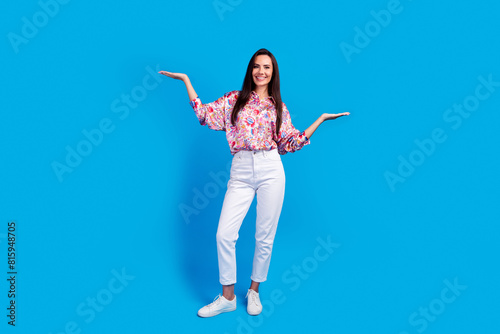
[(215, 302), (252, 296)]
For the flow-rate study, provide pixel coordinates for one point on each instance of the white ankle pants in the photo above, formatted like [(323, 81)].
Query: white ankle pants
[(252, 172)]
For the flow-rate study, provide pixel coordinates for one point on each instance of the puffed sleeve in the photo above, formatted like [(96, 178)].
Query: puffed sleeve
[(290, 139), (211, 114)]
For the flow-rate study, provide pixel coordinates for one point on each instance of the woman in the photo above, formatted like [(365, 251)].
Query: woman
[(258, 129)]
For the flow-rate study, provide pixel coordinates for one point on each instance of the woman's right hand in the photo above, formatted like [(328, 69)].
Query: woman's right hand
[(178, 76), (181, 76)]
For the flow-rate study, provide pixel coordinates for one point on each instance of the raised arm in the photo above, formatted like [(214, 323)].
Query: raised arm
[(325, 117), (181, 76), (210, 114)]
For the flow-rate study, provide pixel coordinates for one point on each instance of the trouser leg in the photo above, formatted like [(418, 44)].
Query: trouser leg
[(238, 198), (270, 195)]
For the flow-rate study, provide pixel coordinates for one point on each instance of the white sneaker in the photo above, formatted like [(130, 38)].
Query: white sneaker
[(254, 307), (218, 306)]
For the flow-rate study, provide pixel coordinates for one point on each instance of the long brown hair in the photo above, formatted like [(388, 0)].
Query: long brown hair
[(273, 89)]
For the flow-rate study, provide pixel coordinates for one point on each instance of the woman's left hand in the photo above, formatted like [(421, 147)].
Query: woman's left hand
[(327, 117)]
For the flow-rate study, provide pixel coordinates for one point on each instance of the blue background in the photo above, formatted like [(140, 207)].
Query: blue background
[(119, 209)]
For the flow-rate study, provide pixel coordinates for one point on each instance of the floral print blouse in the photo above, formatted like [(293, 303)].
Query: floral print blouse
[(255, 126)]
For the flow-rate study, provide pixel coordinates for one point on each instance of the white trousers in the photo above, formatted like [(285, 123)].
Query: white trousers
[(252, 172)]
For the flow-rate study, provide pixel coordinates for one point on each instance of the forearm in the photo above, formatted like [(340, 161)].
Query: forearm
[(310, 130), (191, 92)]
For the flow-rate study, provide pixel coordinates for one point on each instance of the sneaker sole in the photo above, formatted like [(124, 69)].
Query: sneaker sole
[(254, 313), (213, 315)]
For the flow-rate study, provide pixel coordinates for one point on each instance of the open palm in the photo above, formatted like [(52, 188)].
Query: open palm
[(327, 117), (178, 76)]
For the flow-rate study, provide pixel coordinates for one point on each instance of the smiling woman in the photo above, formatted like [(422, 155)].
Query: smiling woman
[(263, 78), (258, 130)]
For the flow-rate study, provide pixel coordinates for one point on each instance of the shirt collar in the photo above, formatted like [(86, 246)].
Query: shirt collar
[(256, 96)]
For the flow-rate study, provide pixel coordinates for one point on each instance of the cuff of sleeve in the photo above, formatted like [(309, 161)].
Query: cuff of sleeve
[(193, 102), (304, 134)]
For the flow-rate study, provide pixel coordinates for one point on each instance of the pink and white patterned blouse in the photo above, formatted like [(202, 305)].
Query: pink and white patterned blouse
[(255, 127)]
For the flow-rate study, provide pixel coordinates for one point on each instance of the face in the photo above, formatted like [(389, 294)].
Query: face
[(262, 70)]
